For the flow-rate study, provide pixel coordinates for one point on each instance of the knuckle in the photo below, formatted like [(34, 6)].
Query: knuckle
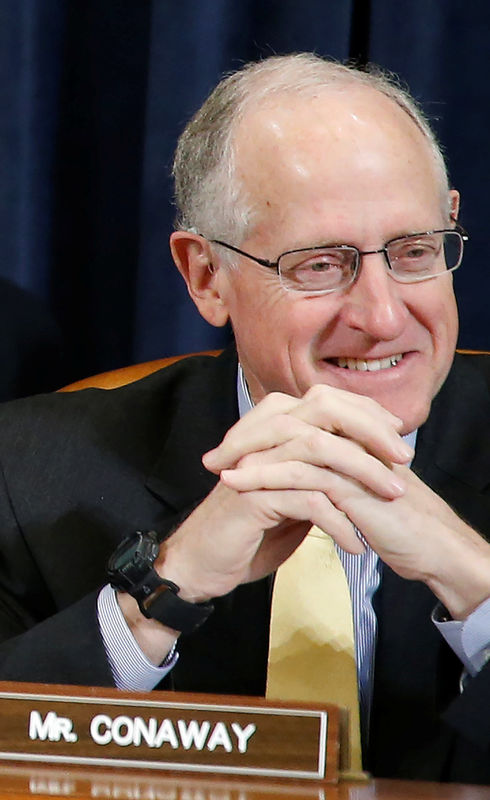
[(309, 441), (228, 438), (315, 502), (248, 460), (274, 400), (276, 396), (318, 390)]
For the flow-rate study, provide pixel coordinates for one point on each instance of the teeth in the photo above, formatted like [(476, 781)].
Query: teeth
[(368, 364)]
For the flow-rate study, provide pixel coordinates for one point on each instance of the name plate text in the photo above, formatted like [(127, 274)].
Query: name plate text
[(168, 731)]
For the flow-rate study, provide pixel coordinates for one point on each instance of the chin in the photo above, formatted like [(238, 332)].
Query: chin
[(413, 411), (413, 419)]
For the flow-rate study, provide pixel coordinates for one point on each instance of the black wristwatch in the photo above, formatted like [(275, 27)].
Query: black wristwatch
[(130, 569)]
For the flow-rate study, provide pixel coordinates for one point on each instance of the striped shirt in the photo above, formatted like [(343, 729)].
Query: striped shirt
[(469, 639)]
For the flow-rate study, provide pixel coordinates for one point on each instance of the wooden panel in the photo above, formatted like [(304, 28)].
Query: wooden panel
[(209, 734), (20, 782)]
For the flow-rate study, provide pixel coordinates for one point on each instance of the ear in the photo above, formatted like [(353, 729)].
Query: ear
[(453, 204), (193, 257)]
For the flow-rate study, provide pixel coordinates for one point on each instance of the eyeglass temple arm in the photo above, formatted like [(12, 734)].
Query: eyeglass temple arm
[(263, 261)]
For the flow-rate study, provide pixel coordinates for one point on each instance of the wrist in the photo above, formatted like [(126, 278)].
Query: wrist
[(131, 570), (461, 579), (154, 639), (176, 567)]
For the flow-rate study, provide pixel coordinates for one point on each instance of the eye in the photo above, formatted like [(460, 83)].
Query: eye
[(418, 253), (323, 260), (417, 249), (316, 269), (323, 265), (317, 274)]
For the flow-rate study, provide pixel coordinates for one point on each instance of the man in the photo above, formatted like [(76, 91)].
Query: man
[(316, 216)]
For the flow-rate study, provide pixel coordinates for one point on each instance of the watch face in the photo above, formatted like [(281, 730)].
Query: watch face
[(130, 569), (132, 560), (123, 555)]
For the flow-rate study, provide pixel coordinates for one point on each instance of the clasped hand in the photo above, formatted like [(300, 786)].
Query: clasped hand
[(330, 458)]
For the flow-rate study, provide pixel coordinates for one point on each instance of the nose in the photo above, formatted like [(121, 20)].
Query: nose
[(374, 303)]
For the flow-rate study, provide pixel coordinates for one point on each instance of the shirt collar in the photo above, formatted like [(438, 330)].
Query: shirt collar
[(244, 400)]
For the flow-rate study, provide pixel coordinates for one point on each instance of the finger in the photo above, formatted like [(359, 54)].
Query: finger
[(282, 428), (355, 417), (315, 507), (343, 413), (265, 432), (368, 471), (323, 449)]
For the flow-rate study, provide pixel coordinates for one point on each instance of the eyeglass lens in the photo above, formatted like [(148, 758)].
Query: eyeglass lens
[(411, 259)]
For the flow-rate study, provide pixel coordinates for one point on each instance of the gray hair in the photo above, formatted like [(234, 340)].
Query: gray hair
[(209, 198)]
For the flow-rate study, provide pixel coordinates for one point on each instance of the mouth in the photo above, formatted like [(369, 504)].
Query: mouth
[(367, 364)]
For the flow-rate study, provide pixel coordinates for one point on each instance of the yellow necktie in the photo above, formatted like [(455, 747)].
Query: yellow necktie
[(311, 644)]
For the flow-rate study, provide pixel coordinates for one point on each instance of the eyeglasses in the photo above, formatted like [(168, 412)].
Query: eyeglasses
[(330, 268)]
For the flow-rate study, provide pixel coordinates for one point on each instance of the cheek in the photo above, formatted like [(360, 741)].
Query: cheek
[(433, 305), (439, 316), (258, 305), (274, 334), (443, 324)]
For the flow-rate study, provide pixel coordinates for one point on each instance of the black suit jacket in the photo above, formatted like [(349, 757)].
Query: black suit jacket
[(82, 470)]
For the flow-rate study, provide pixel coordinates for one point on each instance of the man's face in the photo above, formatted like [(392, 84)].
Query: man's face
[(340, 168)]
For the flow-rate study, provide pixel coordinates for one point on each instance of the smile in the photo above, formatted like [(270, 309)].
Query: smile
[(368, 364)]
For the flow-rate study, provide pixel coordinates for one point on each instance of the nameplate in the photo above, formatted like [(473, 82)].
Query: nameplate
[(172, 731)]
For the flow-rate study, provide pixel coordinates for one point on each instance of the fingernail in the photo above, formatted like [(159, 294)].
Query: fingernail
[(406, 452), (397, 486), (209, 458)]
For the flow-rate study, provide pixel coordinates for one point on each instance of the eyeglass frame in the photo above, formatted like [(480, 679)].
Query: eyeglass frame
[(264, 262)]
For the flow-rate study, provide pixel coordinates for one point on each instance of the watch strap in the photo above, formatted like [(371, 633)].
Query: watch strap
[(149, 586), (169, 609), (130, 569)]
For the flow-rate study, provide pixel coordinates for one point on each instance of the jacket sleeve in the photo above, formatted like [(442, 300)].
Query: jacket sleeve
[(469, 713), (40, 642)]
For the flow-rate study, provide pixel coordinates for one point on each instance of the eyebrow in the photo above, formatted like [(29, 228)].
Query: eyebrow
[(338, 242)]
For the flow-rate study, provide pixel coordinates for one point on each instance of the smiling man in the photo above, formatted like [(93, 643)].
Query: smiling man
[(327, 169), (316, 216)]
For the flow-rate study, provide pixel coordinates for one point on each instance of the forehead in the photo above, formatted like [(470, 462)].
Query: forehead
[(343, 151)]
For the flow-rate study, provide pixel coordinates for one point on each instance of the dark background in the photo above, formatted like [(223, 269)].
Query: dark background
[(93, 95)]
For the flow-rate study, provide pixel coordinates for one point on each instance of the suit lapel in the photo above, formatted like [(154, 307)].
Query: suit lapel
[(453, 447), (203, 407), (454, 443), (416, 673)]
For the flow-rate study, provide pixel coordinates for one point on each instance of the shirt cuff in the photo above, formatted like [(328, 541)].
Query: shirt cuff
[(131, 670), (469, 638)]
